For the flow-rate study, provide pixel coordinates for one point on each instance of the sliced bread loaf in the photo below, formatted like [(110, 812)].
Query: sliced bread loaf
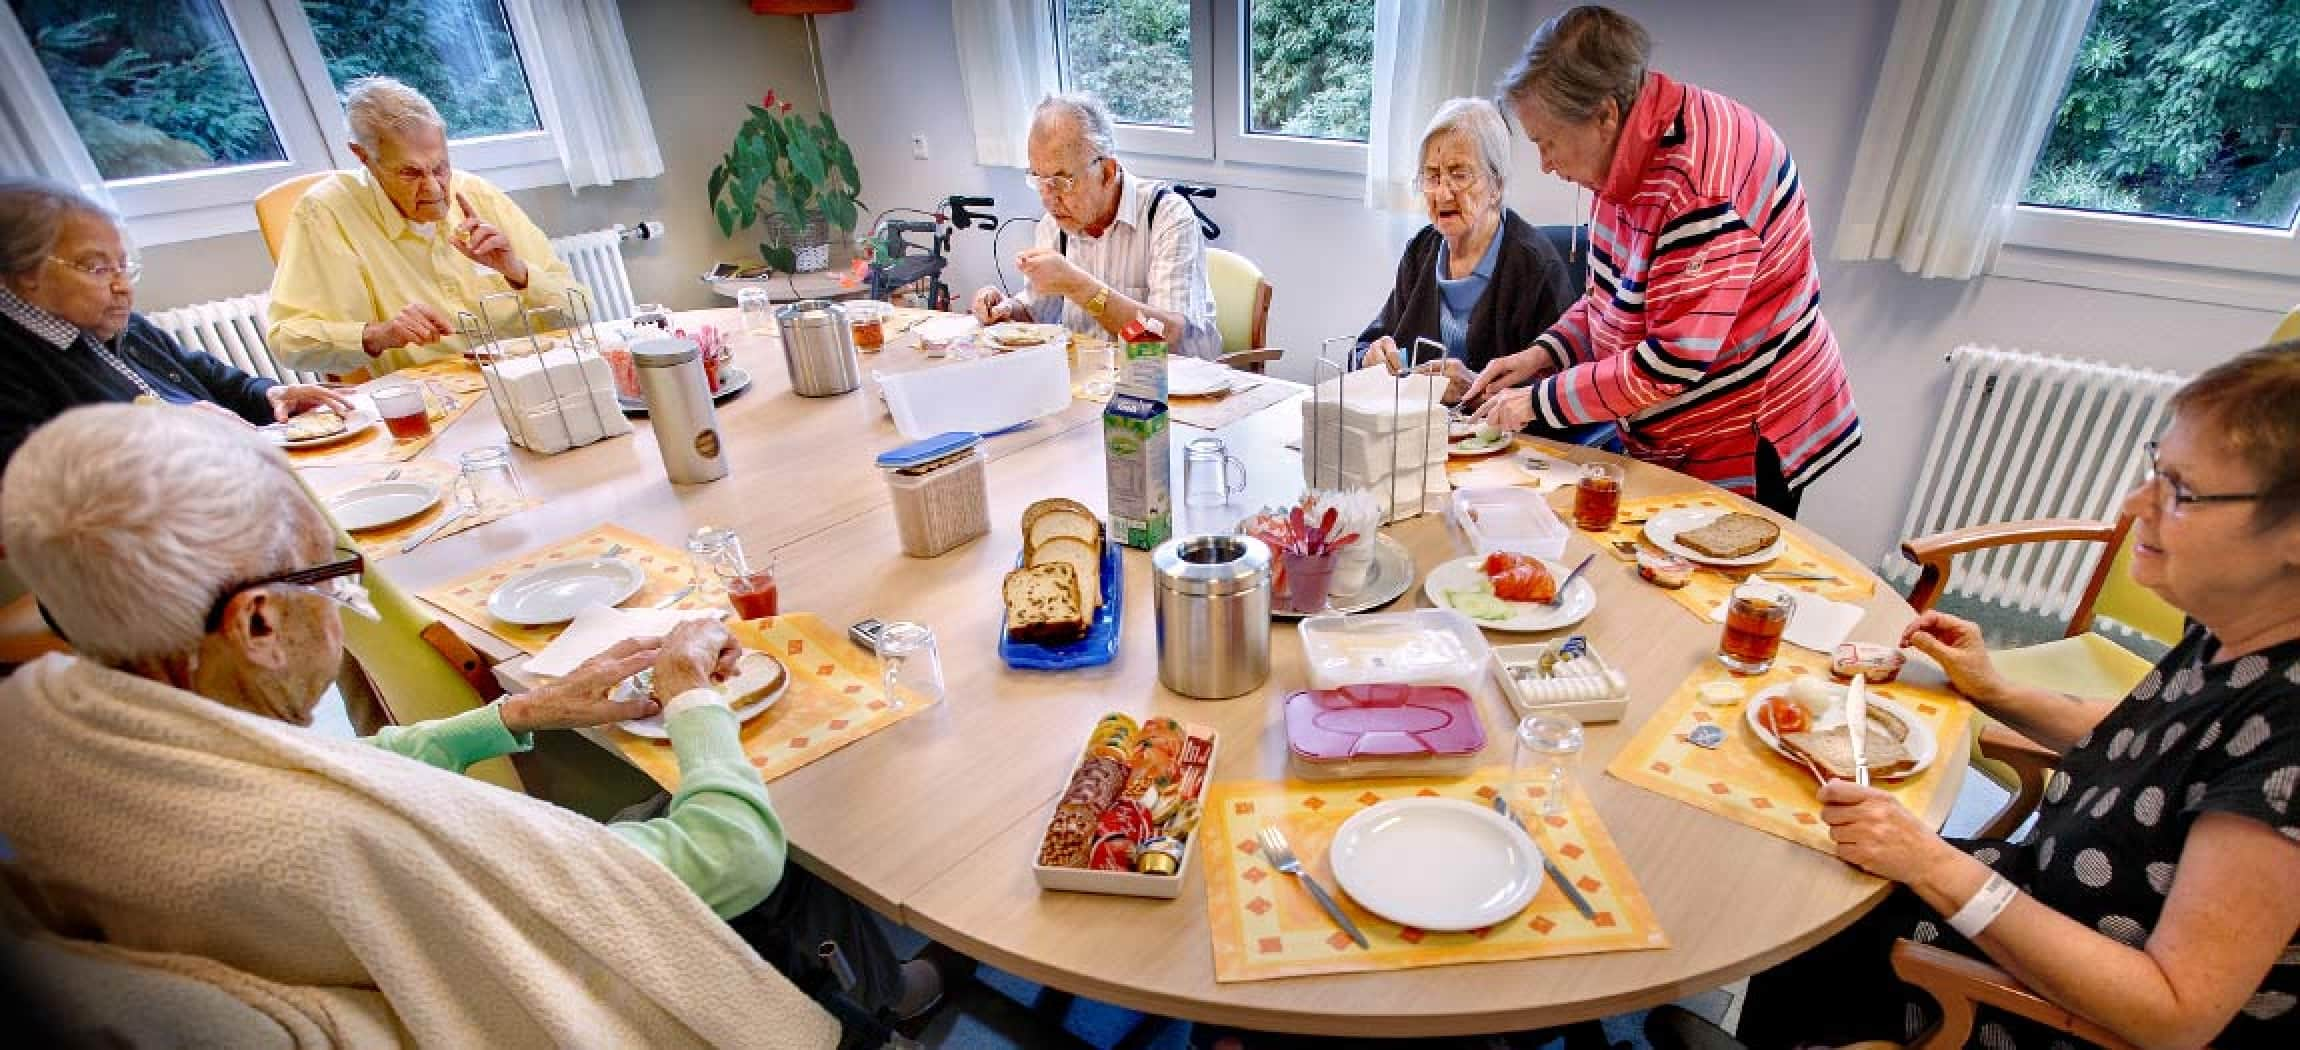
[(1043, 604), (1085, 560), (1064, 521)]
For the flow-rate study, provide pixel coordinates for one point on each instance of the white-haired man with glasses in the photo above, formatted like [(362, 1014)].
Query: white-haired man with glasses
[(1112, 247)]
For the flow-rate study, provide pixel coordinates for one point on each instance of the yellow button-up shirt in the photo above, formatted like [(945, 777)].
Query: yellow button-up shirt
[(350, 258)]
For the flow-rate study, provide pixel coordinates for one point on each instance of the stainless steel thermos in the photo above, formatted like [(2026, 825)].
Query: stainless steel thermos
[(679, 407), (1213, 614), (818, 348)]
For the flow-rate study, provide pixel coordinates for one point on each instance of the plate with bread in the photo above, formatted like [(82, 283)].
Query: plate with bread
[(319, 427), (1804, 721), (758, 682), (1024, 335), (1715, 537), (1063, 599)]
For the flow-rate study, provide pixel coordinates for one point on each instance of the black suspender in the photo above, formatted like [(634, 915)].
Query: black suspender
[(1062, 237)]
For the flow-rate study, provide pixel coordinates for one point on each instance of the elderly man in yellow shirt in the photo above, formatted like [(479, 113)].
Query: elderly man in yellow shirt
[(372, 272)]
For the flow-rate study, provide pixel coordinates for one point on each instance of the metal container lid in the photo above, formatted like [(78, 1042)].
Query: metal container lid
[(1211, 565), (811, 313), (663, 352)]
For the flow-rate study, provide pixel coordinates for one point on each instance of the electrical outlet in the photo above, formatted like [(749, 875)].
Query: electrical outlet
[(918, 147)]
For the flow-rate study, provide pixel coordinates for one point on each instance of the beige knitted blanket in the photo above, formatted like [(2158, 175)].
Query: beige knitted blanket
[(165, 823)]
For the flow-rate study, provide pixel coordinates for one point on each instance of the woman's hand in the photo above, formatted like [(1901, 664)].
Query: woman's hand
[(1503, 373), (1874, 832), (696, 653), (300, 398), (1510, 410), (1383, 352), (582, 697), (1956, 645), (1457, 378)]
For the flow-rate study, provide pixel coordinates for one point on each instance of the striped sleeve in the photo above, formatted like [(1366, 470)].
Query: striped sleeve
[(1567, 341), (1704, 261), (1177, 278)]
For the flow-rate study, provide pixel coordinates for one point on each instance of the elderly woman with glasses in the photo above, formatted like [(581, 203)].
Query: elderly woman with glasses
[(1477, 281), (2157, 895), (69, 334)]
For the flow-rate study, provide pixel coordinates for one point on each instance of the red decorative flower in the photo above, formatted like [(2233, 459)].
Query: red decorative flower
[(786, 107), (769, 101)]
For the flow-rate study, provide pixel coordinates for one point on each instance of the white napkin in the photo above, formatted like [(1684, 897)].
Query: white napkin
[(598, 628), (1817, 624)]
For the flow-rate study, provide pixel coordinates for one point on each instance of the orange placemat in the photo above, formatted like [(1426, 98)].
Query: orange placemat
[(1745, 781), (459, 376), (668, 570), (1711, 587), (834, 700), (1246, 397), (386, 541), (376, 445), (1266, 925)]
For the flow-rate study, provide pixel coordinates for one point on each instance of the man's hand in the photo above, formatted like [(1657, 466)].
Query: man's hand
[(301, 398), (416, 324), (991, 305), (1050, 273), (482, 243), (696, 653), (582, 697)]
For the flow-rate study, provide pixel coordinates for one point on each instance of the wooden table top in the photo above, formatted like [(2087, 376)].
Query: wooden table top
[(935, 820)]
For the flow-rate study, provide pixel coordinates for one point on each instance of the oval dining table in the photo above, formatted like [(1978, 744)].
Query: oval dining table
[(935, 821)]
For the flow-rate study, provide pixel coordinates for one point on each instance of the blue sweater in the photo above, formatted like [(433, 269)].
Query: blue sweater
[(38, 381)]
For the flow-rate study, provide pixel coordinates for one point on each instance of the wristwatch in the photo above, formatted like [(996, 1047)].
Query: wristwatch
[(1099, 303)]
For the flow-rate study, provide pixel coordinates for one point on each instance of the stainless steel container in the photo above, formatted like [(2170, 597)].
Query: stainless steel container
[(679, 408), (819, 348), (1213, 615)]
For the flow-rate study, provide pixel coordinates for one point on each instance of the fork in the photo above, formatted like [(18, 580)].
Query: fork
[(675, 598), (1281, 857)]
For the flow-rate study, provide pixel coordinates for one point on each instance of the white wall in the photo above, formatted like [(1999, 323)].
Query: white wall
[(1808, 65)]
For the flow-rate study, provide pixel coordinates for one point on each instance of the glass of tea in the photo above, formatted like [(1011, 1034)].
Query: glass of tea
[(867, 320), (401, 406), (1597, 497), (749, 578), (1754, 621)]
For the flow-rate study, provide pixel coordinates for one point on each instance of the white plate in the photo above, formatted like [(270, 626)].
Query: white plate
[(1663, 528), (1436, 863), (1026, 335), (1465, 574), (555, 593), (733, 380), (354, 425), (1921, 743), (1197, 379), (1471, 446), (383, 503), (631, 689)]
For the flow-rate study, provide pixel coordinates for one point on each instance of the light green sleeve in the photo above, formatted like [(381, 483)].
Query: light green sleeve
[(720, 835), (455, 742)]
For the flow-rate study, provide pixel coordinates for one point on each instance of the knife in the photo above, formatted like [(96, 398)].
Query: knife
[(425, 536), (1568, 581), (1857, 727), (1556, 874)]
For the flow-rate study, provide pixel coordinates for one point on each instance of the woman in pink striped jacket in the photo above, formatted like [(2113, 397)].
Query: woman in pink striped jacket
[(1701, 328)]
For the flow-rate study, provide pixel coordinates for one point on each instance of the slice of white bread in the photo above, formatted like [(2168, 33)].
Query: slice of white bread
[(756, 675), (1063, 521), (1083, 559), (1043, 604), (315, 424), (1032, 513)]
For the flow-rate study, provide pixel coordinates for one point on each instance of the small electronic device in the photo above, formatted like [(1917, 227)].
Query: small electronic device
[(725, 270), (865, 633)]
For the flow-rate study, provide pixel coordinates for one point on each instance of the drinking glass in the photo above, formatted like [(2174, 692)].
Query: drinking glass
[(1548, 749), (749, 579), (866, 319), (907, 652), (1210, 474), (1755, 619), (1597, 497), (490, 486), (758, 308), (1102, 359), (401, 406)]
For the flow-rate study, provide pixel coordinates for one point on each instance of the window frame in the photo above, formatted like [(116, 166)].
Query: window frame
[(2256, 268)]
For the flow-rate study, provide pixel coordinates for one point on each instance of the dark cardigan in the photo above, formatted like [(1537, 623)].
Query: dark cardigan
[(1528, 291), (38, 382)]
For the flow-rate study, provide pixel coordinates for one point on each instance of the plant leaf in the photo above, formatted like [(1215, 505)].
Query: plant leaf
[(781, 257), (718, 182), (839, 210), (726, 218)]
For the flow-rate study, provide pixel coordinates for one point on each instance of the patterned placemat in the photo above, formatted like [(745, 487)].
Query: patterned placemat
[(1712, 586), (459, 376), (386, 541), (378, 446), (668, 570), (1246, 397), (1265, 925), (1745, 781), (835, 698)]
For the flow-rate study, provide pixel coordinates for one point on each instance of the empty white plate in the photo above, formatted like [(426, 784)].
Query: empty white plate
[(1436, 863), (1663, 528), (1192, 377), (383, 503), (555, 593), (1466, 574)]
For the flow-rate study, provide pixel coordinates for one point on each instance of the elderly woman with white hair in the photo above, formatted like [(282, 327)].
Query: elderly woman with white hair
[(377, 263), (162, 794), (1477, 280)]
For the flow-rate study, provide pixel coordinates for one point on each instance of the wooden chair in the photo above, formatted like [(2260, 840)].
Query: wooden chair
[(2288, 330), (273, 206), (1962, 984), (1241, 307)]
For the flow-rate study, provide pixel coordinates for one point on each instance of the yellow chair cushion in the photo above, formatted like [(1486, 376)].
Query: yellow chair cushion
[(2290, 329), (2124, 600), (1233, 279), (2087, 665)]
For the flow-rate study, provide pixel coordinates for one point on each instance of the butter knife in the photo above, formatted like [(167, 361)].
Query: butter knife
[(1857, 726), (1556, 874), (419, 539)]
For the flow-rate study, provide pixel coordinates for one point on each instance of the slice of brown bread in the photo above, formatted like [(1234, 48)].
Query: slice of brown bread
[(1085, 560), (1732, 535), (1829, 749), (1043, 606)]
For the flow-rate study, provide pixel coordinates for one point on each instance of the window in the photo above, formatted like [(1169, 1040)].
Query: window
[(458, 53), (1312, 68), (2177, 139), (1135, 56)]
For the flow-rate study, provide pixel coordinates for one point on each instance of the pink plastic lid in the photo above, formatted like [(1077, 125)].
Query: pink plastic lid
[(1382, 721)]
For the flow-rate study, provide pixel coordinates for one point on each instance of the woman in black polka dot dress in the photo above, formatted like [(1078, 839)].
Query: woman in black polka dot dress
[(2158, 895)]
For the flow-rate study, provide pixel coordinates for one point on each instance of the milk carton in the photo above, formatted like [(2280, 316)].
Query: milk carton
[(1142, 360), (1135, 451)]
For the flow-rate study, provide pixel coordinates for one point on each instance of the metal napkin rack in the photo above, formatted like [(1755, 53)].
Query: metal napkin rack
[(487, 346), (1314, 431)]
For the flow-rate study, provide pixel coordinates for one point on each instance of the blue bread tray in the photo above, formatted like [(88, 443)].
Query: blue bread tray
[(1100, 646)]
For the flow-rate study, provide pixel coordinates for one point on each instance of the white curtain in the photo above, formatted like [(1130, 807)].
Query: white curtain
[(1963, 105), (1425, 52), (579, 66), (1005, 65), (36, 136)]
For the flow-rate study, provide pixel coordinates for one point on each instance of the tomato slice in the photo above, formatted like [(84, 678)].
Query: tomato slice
[(1783, 715)]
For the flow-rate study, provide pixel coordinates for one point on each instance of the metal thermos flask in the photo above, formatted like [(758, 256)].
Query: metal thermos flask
[(819, 348), (1213, 615), (679, 406)]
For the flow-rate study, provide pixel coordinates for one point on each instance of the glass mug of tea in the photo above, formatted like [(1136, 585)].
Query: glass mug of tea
[(1597, 497), (1755, 618), (749, 579), (402, 407)]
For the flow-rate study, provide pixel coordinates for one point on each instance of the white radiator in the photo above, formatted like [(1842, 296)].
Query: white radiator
[(597, 259), (231, 330), (2032, 436)]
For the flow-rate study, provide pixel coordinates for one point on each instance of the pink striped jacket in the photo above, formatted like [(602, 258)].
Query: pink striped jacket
[(1701, 326)]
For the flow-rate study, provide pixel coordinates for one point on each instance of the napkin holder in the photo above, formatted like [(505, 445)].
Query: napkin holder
[(552, 392)]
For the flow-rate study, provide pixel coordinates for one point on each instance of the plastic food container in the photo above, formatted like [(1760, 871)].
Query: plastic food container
[(1131, 883), (1537, 679), (941, 498), (1383, 731), (1420, 647), (1509, 518), (981, 396)]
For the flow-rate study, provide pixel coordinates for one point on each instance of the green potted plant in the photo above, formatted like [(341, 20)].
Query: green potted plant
[(796, 174)]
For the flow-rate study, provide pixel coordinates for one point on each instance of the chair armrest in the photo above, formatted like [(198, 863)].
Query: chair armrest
[(2032, 765), (1960, 984), (470, 663), (1933, 553)]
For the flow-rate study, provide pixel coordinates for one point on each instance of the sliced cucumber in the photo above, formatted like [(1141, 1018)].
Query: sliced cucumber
[(1479, 605)]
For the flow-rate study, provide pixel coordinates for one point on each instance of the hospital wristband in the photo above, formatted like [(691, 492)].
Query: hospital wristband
[(1995, 895)]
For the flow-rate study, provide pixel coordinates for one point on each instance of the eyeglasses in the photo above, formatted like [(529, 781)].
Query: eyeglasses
[(2178, 495), (1057, 184), (1456, 179), (132, 269), (337, 581)]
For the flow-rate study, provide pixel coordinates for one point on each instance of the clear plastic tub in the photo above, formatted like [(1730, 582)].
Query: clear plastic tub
[(1509, 518), (1383, 731), (1420, 647)]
